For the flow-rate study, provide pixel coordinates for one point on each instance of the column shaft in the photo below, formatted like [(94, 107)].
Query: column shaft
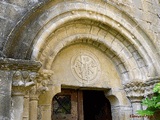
[(17, 110), (33, 109), (136, 106), (5, 95)]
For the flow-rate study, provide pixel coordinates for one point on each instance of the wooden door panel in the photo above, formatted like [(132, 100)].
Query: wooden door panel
[(65, 106)]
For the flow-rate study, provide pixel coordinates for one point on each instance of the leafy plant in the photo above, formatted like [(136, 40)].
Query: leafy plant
[(153, 103)]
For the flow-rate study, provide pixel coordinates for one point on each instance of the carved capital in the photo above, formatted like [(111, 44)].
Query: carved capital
[(22, 81), (44, 75), (149, 85), (42, 83), (135, 90)]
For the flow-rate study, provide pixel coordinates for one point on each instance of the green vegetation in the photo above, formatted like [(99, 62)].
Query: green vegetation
[(153, 103)]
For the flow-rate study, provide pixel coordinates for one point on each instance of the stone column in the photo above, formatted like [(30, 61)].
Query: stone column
[(26, 107), (135, 92), (33, 111), (121, 112), (40, 88), (136, 105), (23, 81), (10, 84), (5, 94)]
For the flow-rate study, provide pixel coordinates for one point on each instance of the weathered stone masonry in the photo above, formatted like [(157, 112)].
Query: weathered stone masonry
[(41, 40)]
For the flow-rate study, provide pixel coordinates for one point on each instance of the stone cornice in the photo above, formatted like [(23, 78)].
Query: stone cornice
[(18, 64)]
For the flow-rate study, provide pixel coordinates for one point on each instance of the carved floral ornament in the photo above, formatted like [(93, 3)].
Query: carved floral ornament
[(140, 89)]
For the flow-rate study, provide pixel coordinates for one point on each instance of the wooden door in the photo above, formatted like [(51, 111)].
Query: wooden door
[(81, 105), (68, 105)]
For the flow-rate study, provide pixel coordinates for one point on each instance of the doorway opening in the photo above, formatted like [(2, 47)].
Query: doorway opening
[(81, 105), (96, 106)]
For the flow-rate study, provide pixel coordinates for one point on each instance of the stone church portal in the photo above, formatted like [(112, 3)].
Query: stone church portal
[(77, 59)]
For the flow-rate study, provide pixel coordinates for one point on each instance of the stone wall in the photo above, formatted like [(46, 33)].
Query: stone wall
[(11, 12), (146, 13)]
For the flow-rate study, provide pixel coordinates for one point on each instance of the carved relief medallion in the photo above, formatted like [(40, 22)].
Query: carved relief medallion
[(85, 67)]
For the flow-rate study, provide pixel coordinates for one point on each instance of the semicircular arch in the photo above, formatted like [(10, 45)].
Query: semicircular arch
[(113, 17)]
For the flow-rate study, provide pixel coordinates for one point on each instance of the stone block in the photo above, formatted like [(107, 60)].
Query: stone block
[(137, 4), (2, 9), (136, 55), (120, 37), (102, 47), (131, 48), (109, 38), (126, 53), (14, 12), (102, 33), (3, 24), (126, 43), (2, 40), (117, 46), (116, 61), (122, 68), (23, 3), (5, 95), (110, 54), (94, 30), (141, 63), (61, 33)]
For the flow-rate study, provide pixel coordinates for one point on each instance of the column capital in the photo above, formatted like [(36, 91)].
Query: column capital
[(43, 80), (149, 85), (135, 90), (138, 89), (23, 74), (22, 81)]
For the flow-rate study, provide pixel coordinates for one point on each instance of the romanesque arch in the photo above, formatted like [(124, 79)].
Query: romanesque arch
[(58, 25)]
